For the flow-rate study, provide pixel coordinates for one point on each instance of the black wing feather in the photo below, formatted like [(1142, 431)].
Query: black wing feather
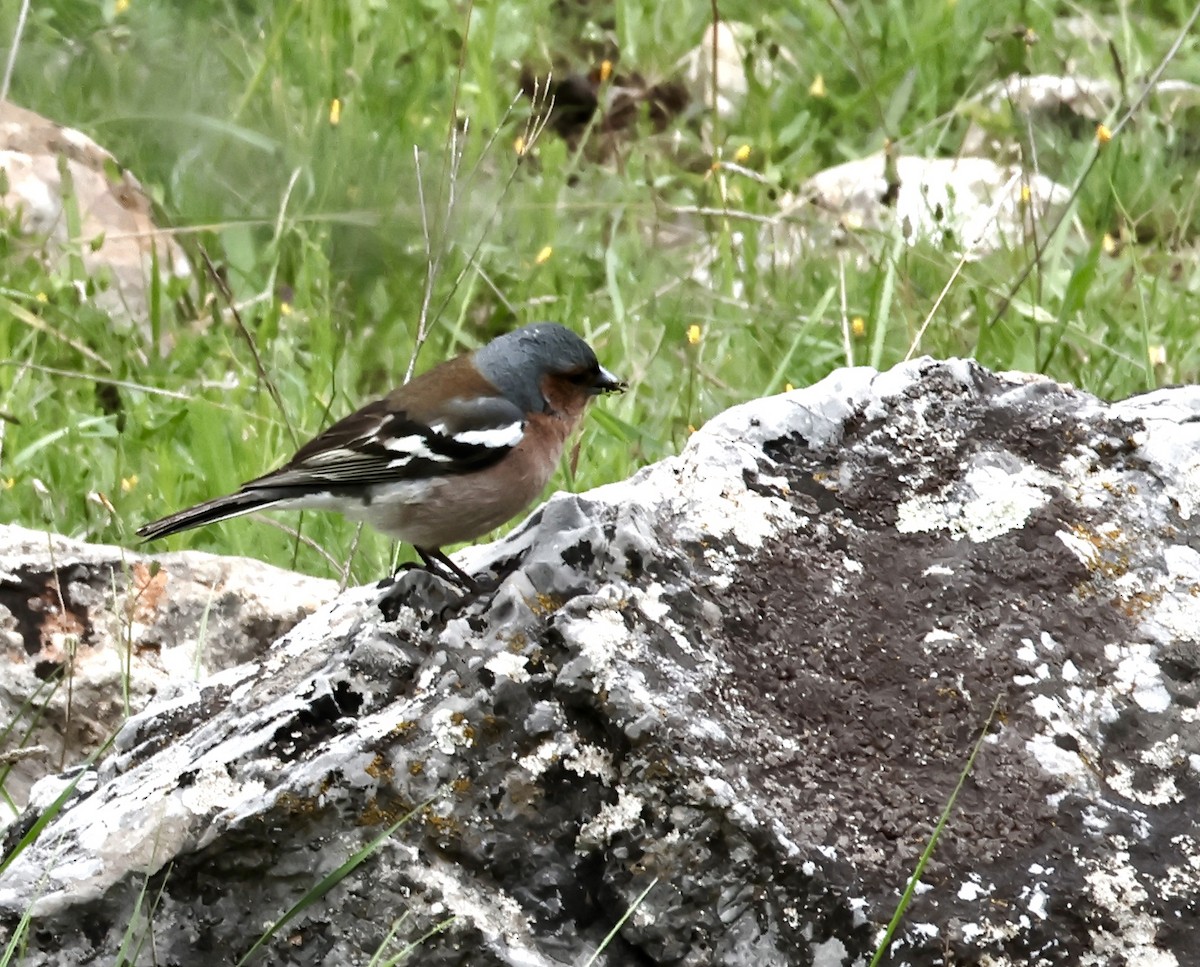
[(355, 451)]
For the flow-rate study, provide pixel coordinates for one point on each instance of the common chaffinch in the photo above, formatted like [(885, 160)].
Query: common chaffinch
[(445, 458)]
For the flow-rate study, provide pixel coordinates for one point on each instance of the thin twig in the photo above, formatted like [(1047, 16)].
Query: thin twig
[(37, 323), (294, 532), (446, 190), (533, 131), (735, 214), (430, 268), (1147, 90), (716, 117), (912, 348), (283, 202), (12, 52), (847, 343), (259, 366), (1004, 195), (344, 581)]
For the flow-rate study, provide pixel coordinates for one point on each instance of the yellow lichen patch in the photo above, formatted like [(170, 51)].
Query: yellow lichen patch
[(379, 813), (378, 768), (442, 825), (294, 805), (416, 767), (543, 604), (468, 730), (461, 786), (492, 727), (1107, 556)]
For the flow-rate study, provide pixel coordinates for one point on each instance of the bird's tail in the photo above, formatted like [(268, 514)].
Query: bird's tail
[(209, 512)]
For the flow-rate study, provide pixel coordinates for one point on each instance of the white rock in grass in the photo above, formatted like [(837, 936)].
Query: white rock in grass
[(971, 205), (1046, 101), (117, 234)]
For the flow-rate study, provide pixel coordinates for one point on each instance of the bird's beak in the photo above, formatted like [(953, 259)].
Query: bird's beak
[(606, 382)]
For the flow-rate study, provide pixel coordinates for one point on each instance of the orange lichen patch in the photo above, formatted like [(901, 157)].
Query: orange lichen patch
[(461, 785), (1135, 604), (58, 626), (149, 588), (468, 730), (492, 728), (1109, 558), (416, 767)]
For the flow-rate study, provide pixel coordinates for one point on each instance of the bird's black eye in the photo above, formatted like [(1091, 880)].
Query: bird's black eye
[(582, 377)]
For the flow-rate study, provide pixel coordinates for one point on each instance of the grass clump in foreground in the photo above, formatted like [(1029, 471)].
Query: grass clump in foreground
[(281, 140)]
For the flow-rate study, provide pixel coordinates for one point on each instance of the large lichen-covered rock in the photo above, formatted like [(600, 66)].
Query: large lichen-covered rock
[(734, 693)]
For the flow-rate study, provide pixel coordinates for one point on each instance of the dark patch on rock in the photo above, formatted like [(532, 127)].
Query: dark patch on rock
[(322, 717), (43, 605), (579, 557)]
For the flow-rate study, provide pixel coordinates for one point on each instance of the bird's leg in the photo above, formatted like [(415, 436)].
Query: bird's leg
[(443, 592), (433, 556)]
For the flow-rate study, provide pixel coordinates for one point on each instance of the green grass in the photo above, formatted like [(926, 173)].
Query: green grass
[(222, 109)]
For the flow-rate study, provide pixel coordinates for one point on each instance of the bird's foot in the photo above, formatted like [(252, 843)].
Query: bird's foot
[(426, 592), (436, 586)]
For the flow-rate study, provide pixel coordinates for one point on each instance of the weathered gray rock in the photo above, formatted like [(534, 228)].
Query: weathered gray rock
[(89, 634), (743, 683)]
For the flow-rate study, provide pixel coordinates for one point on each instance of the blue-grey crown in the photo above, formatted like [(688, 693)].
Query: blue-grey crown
[(517, 362)]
